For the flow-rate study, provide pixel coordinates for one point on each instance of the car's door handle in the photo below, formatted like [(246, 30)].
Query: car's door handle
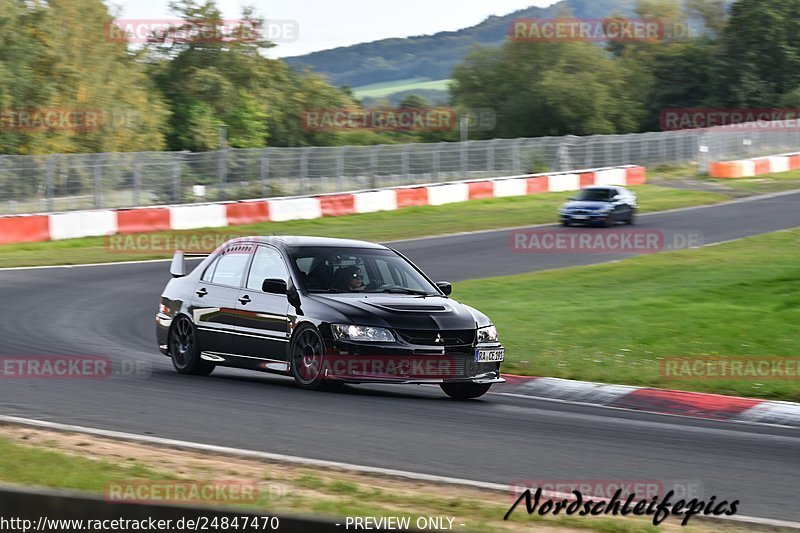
[(245, 299), (202, 292)]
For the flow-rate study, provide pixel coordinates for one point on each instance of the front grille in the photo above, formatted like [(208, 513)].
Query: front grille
[(453, 337)]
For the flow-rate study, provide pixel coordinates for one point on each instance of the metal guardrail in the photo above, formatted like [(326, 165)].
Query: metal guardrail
[(63, 182)]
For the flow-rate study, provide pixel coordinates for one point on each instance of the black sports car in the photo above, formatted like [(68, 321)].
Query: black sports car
[(325, 311)]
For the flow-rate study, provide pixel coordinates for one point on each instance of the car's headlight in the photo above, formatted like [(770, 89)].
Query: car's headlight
[(487, 334), (361, 333)]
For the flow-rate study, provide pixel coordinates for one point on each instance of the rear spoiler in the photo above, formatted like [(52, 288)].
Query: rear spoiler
[(178, 266)]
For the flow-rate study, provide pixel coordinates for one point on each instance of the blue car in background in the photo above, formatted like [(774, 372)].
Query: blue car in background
[(602, 204)]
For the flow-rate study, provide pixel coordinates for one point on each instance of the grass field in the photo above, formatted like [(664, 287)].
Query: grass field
[(390, 225), (614, 322), (71, 461), (380, 90)]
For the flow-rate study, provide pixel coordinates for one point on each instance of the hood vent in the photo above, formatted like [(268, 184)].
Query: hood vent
[(413, 308)]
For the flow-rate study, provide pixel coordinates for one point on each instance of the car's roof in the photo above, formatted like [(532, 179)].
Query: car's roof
[(302, 241), (604, 187)]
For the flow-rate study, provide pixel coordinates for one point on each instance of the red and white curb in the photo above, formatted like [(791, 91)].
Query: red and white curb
[(663, 401), (105, 222)]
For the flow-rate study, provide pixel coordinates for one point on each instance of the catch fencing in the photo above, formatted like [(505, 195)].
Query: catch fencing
[(63, 182)]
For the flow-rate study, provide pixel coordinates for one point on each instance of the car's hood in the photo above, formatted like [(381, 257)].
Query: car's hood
[(585, 205), (403, 311)]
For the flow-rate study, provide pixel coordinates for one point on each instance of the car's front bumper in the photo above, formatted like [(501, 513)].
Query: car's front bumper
[(584, 219), (403, 363), (163, 323)]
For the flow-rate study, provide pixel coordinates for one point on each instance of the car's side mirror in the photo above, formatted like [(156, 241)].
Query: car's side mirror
[(445, 286), (274, 286), (616, 197)]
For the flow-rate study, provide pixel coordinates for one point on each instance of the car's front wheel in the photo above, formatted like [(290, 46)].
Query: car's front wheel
[(465, 391), (184, 349), (307, 358)]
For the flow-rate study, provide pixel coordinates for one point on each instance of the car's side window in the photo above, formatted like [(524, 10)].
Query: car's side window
[(230, 267), (267, 264), (209, 273)]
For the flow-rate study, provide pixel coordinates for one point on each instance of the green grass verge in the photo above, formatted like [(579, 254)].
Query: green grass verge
[(389, 225), (614, 322), (23, 465), (781, 181), (306, 491)]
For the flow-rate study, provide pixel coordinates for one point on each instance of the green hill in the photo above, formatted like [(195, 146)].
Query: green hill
[(432, 57)]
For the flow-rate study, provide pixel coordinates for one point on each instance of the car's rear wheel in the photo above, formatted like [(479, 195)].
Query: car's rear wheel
[(465, 391), (184, 349), (307, 358)]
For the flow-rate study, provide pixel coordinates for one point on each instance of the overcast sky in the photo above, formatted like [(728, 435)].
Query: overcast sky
[(327, 24)]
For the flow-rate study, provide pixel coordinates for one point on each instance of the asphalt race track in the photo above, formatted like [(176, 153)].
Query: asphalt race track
[(109, 310)]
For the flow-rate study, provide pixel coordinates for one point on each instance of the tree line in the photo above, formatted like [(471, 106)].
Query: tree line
[(177, 94), (742, 55)]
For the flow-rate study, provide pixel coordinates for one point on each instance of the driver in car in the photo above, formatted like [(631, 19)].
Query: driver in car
[(350, 279)]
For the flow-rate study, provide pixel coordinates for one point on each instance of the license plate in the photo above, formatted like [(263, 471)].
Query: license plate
[(580, 217), (489, 356)]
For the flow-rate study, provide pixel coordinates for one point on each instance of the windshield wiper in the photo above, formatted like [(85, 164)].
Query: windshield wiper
[(325, 290), (405, 290)]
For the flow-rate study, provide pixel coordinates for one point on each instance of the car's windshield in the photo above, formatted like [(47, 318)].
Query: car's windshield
[(594, 195), (328, 269)]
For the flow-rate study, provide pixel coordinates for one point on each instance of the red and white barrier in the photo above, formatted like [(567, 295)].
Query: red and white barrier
[(73, 224), (448, 193), (747, 168), (511, 187), (198, 216), (293, 209), (372, 201)]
